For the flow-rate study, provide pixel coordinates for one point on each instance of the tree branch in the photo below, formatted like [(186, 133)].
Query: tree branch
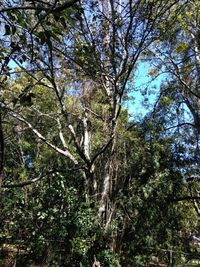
[(102, 150), (14, 8), (60, 8), (65, 152), (186, 198), (1, 149), (77, 145), (39, 177), (65, 5), (180, 125)]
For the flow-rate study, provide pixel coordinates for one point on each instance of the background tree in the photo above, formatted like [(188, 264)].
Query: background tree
[(179, 58)]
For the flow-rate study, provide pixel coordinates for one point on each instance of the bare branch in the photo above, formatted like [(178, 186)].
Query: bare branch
[(60, 8), (186, 198), (102, 150), (180, 125), (61, 134), (78, 146), (196, 207), (94, 113), (14, 8), (40, 177), (65, 152)]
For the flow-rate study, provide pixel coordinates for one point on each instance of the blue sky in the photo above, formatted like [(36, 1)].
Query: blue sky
[(143, 88)]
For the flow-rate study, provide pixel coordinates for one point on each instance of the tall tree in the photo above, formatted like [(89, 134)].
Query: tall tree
[(98, 42), (178, 57), (67, 69)]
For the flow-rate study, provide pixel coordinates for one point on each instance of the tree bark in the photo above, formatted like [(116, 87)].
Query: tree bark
[(1, 150)]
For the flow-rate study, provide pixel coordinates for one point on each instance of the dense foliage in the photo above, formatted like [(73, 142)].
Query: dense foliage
[(82, 182)]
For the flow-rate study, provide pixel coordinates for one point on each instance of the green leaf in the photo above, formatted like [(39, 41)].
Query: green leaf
[(15, 46), (26, 100), (183, 46), (56, 15), (45, 37), (63, 22), (14, 30)]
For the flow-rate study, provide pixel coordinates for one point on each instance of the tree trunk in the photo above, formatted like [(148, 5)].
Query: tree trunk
[(1, 150)]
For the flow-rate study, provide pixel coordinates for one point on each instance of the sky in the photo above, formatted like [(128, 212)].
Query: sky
[(143, 88)]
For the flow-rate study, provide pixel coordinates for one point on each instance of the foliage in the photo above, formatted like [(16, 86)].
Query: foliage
[(82, 183)]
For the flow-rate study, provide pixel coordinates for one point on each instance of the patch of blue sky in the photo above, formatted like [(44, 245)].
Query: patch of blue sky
[(12, 64), (28, 161), (143, 91)]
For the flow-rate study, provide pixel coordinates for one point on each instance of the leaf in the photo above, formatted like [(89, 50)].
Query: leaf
[(15, 100), (56, 15), (55, 35), (42, 37), (45, 37), (7, 30), (183, 46), (24, 57), (15, 46), (21, 20), (6, 60), (63, 22), (26, 100), (14, 30)]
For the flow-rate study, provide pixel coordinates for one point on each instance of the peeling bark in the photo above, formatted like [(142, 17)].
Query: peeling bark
[(86, 135)]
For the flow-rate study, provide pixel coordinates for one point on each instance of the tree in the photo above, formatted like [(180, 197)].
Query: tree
[(64, 102), (179, 58), (107, 59)]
